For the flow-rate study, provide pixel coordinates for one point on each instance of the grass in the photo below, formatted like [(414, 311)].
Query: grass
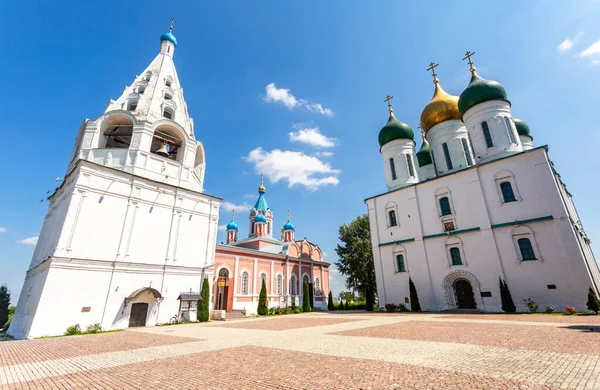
[(81, 334)]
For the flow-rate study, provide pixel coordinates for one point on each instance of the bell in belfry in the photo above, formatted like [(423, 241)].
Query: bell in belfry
[(163, 151)]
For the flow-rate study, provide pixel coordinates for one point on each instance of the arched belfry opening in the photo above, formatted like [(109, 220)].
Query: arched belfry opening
[(117, 132), (168, 142)]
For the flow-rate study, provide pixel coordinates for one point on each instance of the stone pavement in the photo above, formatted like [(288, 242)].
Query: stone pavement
[(319, 351)]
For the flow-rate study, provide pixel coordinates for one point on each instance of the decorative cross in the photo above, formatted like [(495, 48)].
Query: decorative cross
[(262, 179), (171, 25), (432, 67), (232, 214), (288, 214), (388, 99), (468, 56)]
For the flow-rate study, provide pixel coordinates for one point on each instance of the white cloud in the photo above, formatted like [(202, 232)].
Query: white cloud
[(294, 167), (595, 62), (229, 206), (312, 136), (28, 241), (2, 229), (324, 154), (250, 196), (282, 95), (222, 228), (316, 107), (593, 49), (565, 45)]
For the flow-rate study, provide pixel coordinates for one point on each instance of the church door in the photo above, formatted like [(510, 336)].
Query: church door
[(464, 294), (139, 312)]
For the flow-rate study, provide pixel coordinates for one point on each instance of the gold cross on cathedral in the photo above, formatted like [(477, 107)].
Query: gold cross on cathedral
[(432, 66), (468, 56), (171, 25), (388, 99)]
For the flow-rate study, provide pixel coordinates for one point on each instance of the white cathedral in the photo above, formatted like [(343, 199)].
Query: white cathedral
[(483, 205), (129, 233)]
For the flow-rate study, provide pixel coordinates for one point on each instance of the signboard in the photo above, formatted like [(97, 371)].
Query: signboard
[(221, 282)]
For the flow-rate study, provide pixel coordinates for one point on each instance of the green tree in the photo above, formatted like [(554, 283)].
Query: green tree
[(4, 304), (414, 298), (593, 303), (306, 299), (347, 307), (11, 312), (203, 314), (263, 310), (330, 302), (355, 260), (508, 305), (347, 296)]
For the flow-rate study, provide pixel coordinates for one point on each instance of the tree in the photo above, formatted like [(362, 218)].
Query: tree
[(593, 303), (11, 312), (414, 298), (508, 305), (347, 307), (263, 310), (306, 299), (203, 314), (347, 296), (356, 258), (4, 304), (330, 302)]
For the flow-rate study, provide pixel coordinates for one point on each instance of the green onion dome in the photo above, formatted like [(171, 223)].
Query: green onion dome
[(478, 91), (394, 129), (522, 127), (424, 154)]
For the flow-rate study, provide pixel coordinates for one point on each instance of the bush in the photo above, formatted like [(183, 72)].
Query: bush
[(508, 305), (330, 302), (531, 305), (569, 310), (414, 297), (549, 309), (390, 307), (593, 303), (73, 330), (96, 328), (402, 308), (262, 300), (288, 310), (297, 310), (281, 310), (306, 299), (203, 315), (271, 310), (11, 313)]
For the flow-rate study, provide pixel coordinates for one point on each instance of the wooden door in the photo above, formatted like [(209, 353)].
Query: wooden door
[(464, 295), (139, 312)]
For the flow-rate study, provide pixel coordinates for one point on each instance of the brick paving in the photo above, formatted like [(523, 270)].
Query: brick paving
[(556, 318), (562, 339), (287, 322)]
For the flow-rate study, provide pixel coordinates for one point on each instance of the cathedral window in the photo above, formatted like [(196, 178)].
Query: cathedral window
[(525, 244), (526, 249), (507, 192), (455, 256), (293, 285), (393, 169), (148, 76), (317, 287), (168, 81), (141, 89), (486, 133), (468, 156), (118, 130), (252, 229), (400, 266), (132, 105), (447, 156), (279, 284), (411, 168), (244, 286), (509, 130), (445, 206), (392, 216), (167, 113), (168, 96)]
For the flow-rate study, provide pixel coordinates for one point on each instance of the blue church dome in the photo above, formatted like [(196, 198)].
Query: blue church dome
[(288, 226), (168, 36), (232, 225), (260, 218)]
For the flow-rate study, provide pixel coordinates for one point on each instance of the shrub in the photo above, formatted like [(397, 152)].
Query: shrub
[(262, 300), (414, 297), (549, 309), (288, 310), (95, 328), (340, 306), (330, 302), (570, 310), (271, 310), (390, 307), (11, 313), (281, 310), (293, 303), (306, 299), (203, 314), (402, 308), (73, 330), (508, 305), (347, 307), (531, 305), (297, 310), (593, 303)]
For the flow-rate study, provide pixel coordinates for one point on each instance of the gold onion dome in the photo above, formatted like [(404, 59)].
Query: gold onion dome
[(441, 108)]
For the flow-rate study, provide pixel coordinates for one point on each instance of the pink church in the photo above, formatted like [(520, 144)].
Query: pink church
[(284, 264)]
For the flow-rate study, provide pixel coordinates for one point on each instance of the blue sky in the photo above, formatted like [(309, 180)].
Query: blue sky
[(337, 60)]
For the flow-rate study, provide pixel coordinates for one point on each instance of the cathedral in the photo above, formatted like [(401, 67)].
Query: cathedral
[(476, 205), (285, 265)]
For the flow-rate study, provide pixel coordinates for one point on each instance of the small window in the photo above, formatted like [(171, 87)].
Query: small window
[(132, 106), (244, 287), (552, 287), (393, 169), (148, 76), (168, 82), (253, 232), (468, 156), (393, 221), (411, 168), (168, 96), (447, 156), (455, 256), (167, 114), (445, 206), (507, 192), (509, 129), (141, 89), (293, 285), (526, 249), (279, 284), (400, 263), (486, 134), (317, 287)]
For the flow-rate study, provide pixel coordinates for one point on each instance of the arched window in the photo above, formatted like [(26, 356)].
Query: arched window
[(507, 192), (468, 156), (509, 130), (411, 167), (118, 130), (148, 76), (132, 105), (244, 287), (447, 156), (393, 169), (168, 96), (486, 134), (167, 142), (526, 249), (141, 89), (455, 256), (168, 113), (279, 284), (305, 280), (263, 278), (293, 285), (269, 228), (392, 215), (317, 287), (445, 206), (168, 82), (401, 267)]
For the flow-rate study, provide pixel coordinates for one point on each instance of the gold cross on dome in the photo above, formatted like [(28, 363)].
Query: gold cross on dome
[(432, 66), (289, 214), (468, 56), (171, 25), (388, 99)]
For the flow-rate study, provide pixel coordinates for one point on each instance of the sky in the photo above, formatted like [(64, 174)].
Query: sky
[(293, 90)]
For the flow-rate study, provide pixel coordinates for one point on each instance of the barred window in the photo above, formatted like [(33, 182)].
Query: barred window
[(244, 287)]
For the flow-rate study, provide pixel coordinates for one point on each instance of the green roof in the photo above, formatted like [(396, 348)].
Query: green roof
[(522, 127), (478, 91), (424, 154), (394, 129)]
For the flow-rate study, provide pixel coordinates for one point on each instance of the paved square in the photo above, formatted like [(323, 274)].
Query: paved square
[(319, 351)]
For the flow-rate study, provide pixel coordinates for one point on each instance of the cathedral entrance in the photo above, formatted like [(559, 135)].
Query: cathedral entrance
[(222, 290), (464, 294), (139, 313)]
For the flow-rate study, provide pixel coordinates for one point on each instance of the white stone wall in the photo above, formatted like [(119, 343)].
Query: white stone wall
[(526, 141), (449, 132), (426, 172), (398, 149)]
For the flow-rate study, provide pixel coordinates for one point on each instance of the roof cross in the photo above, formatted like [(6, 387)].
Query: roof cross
[(432, 66), (171, 25), (388, 99), (468, 56)]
